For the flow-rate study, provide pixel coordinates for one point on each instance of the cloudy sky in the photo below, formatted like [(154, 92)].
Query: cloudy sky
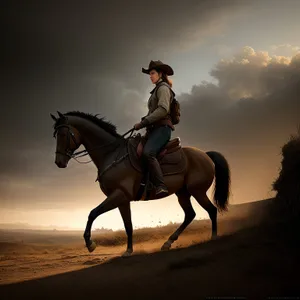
[(237, 73)]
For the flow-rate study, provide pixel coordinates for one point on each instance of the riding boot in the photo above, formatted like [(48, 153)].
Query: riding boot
[(157, 178)]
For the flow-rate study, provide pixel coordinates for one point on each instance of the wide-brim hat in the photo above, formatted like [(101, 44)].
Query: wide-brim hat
[(158, 65)]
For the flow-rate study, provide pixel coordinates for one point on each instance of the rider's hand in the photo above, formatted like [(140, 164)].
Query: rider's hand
[(138, 126)]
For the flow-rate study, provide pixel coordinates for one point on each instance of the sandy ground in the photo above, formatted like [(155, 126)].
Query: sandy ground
[(248, 260)]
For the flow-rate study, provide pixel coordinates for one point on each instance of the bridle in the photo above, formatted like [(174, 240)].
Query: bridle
[(70, 152), (70, 134)]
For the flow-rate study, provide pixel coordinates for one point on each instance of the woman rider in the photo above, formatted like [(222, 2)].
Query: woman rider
[(158, 122)]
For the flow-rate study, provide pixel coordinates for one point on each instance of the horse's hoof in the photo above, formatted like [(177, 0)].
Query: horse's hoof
[(166, 246), (127, 253), (92, 246)]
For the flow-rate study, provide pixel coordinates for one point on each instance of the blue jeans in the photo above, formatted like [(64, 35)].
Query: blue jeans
[(157, 139)]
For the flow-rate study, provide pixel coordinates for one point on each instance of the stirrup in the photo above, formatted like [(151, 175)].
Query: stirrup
[(162, 192)]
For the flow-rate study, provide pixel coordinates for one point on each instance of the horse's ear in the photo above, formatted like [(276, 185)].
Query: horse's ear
[(61, 115), (53, 117)]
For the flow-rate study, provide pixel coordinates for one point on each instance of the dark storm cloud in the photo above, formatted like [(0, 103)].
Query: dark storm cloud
[(66, 55), (76, 38), (255, 100)]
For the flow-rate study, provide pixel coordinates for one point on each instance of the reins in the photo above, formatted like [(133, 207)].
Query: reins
[(85, 152)]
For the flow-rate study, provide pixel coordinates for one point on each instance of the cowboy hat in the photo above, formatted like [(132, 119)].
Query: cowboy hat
[(158, 65)]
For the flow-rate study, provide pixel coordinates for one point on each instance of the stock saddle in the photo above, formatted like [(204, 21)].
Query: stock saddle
[(171, 157)]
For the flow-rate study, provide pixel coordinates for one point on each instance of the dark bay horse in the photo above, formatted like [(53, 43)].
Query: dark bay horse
[(120, 183)]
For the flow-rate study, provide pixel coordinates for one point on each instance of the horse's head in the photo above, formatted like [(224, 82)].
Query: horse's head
[(68, 140)]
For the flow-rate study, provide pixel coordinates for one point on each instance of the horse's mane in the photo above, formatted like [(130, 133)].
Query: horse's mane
[(106, 125)]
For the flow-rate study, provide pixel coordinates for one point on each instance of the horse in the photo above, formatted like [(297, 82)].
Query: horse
[(119, 181)]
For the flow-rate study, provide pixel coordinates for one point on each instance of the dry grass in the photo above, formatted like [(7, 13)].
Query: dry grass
[(118, 238)]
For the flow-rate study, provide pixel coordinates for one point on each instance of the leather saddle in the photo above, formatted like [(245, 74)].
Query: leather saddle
[(171, 157)]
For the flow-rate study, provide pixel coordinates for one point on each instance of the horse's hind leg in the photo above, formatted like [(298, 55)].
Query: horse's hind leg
[(204, 201), (184, 199)]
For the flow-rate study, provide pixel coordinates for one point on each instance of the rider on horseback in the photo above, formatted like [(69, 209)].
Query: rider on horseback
[(158, 123)]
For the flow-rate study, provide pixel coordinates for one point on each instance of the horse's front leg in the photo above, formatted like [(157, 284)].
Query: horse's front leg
[(126, 216), (114, 200)]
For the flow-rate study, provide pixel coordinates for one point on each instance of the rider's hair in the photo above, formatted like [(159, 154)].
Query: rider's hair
[(165, 78)]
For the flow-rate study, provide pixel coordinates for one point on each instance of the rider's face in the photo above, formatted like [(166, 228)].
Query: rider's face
[(154, 76)]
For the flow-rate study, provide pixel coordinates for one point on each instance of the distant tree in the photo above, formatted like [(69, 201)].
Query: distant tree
[(287, 185)]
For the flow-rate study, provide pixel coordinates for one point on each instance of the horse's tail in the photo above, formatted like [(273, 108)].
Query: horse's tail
[(222, 180)]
